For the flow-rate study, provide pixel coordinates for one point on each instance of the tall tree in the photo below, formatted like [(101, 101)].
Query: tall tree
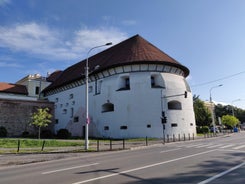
[(202, 113), (230, 121), (41, 118)]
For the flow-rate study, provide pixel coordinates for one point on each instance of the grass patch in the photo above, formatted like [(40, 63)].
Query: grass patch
[(32, 143)]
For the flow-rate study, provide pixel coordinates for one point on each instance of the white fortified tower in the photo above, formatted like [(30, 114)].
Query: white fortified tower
[(135, 87)]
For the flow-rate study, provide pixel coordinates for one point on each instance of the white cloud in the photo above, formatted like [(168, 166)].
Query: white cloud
[(41, 41), (7, 64), (7, 61), (87, 38), (128, 22)]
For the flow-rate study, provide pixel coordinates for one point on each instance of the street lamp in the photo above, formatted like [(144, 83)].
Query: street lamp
[(212, 107), (233, 114), (86, 94)]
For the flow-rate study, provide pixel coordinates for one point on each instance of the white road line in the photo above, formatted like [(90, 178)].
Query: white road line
[(222, 174), (193, 145), (239, 147), (204, 145), (69, 168), (215, 146), (170, 150), (144, 167), (227, 146)]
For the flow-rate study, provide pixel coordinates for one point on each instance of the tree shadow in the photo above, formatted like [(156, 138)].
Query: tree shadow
[(193, 174)]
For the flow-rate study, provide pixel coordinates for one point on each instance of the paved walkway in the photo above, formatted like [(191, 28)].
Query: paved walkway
[(11, 159)]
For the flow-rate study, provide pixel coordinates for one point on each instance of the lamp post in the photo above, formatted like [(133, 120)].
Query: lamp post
[(233, 114), (212, 107), (86, 95)]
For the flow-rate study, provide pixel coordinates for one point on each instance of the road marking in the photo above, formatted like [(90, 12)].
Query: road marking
[(222, 174), (69, 168), (170, 150), (215, 146), (204, 145), (227, 146), (140, 168), (190, 146), (231, 150), (239, 147)]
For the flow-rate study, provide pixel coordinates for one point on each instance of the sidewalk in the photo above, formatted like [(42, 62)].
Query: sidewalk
[(10, 159)]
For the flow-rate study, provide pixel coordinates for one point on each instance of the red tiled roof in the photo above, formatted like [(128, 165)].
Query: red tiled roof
[(13, 88), (53, 76), (133, 50)]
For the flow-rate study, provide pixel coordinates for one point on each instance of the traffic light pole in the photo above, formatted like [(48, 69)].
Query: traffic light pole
[(164, 117)]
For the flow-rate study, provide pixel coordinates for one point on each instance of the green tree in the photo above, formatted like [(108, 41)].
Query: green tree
[(202, 113), (230, 121), (41, 118)]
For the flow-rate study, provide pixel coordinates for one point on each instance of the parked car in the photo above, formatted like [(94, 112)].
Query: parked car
[(216, 129)]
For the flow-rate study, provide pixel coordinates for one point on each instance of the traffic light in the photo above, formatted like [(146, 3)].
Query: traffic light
[(185, 94), (163, 118)]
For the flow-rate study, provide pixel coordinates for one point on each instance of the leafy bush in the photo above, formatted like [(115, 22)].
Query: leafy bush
[(202, 130), (63, 134), (25, 134), (205, 129), (47, 134), (3, 132)]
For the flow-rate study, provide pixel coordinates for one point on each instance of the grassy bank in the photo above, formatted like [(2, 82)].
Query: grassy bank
[(31, 143)]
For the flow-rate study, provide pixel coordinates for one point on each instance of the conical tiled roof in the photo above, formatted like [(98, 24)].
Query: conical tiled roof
[(131, 51)]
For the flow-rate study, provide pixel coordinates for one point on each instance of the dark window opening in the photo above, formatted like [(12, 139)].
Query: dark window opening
[(124, 127), (37, 90), (76, 119), (174, 125), (106, 127), (156, 82), (125, 84), (148, 126), (174, 105), (107, 107)]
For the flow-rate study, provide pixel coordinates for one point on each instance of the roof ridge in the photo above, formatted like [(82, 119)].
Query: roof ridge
[(134, 50)]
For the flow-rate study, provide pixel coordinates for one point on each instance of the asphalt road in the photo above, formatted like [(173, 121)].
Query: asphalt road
[(214, 160)]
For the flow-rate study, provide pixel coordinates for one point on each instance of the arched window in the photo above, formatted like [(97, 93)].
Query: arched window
[(174, 105), (107, 107)]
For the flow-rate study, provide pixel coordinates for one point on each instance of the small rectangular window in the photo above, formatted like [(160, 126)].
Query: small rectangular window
[(90, 89), (56, 121), (148, 126), (37, 90), (127, 83), (72, 112), (153, 83), (191, 124), (124, 83), (106, 127), (174, 125), (124, 127), (76, 119)]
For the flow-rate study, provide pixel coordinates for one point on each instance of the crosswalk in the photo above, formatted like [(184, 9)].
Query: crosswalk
[(211, 145)]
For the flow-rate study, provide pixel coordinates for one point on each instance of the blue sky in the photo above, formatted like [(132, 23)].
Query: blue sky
[(207, 36)]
